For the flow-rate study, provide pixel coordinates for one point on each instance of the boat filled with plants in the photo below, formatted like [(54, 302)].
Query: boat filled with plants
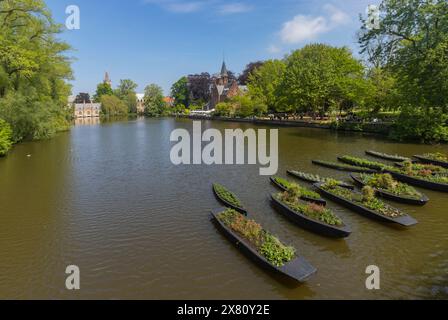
[(385, 156), (303, 193), (342, 167), (387, 187), (228, 198), (437, 158), (314, 178), (363, 163), (262, 246), (421, 175), (365, 203), (310, 216)]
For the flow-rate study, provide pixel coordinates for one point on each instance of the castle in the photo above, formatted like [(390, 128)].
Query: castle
[(223, 87)]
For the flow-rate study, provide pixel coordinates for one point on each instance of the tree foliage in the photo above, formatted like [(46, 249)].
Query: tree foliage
[(103, 89), (180, 92), (153, 100), (250, 69), (33, 70), (113, 106), (199, 88)]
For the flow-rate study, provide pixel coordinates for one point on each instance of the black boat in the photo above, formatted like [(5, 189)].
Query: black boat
[(386, 156), (311, 224), (298, 269), (392, 196), (316, 179), (227, 203), (319, 201), (337, 166), (443, 164), (415, 181), (404, 220)]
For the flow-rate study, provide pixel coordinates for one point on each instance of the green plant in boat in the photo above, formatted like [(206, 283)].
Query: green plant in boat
[(227, 195), (438, 156), (360, 162), (265, 243), (311, 210), (385, 181), (365, 200), (299, 190)]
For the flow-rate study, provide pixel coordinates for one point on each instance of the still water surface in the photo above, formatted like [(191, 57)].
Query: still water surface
[(106, 197)]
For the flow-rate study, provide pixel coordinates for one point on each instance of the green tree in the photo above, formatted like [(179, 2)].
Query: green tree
[(224, 109), (34, 71), (412, 44), (102, 89), (264, 82), (113, 106), (153, 100), (5, 137), (180, 92), (131, 102), (125, 87), (318, 78)]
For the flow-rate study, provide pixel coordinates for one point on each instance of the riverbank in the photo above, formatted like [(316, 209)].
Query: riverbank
[(372, 128)]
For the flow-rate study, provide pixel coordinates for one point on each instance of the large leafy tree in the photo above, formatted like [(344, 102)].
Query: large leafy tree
[(153, 100), (250, 68), (113, 106), (263, 83), (412, 42), (180, 92), (125, 87), (319, 77), (33, 70), (199, 88), (103, 89)]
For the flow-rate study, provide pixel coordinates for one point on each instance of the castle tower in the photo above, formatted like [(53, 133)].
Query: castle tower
[(107, 79), (224, 74)]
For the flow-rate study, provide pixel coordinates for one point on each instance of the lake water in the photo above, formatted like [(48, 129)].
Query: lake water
[(105, 197)]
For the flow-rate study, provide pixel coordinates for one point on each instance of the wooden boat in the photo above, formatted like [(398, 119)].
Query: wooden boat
[(386, 156), (312, 179), (320, 201), (405, 220), (227, 203), (311, 224), (337, 166), (443, 164), (416, 181), (372, 165), (392, 196), (298, 269)]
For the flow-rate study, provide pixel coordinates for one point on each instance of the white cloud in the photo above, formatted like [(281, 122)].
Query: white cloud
[(232, 8), (337, 17), (303, 27)]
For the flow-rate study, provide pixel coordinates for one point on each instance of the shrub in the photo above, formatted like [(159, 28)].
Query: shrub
[(5, 137), (425, 124)]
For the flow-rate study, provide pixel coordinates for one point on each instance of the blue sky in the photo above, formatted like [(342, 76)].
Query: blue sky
[(158, 41)]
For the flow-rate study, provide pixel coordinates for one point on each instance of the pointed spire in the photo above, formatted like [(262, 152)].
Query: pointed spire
[(107, 79), (224, 71)]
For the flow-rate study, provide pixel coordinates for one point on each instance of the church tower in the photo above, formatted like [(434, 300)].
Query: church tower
[(224, 74), (107, 79)]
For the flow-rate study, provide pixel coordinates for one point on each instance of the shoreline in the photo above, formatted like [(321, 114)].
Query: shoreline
[(381, 129)]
